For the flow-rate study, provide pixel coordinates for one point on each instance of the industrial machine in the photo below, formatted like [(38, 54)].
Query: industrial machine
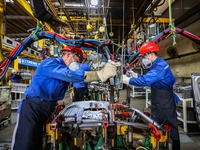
[(100, 125)]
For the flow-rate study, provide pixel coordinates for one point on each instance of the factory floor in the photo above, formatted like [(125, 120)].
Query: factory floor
[(189, 140)]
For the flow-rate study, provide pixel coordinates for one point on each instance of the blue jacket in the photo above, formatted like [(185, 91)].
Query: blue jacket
[(15, 78), (51, 79), (159, 77), (84, 67)]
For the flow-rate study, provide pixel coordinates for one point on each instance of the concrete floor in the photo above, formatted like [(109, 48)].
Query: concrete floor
[(189, 141)]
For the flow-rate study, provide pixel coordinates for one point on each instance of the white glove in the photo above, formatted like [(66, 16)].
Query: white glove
[(133, 74), (109, 70), (125, 79), (117, 64)]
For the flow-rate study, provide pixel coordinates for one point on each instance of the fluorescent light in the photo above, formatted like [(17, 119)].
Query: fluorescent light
[(94, 2)]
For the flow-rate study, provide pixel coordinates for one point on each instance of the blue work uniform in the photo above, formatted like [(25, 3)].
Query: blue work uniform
[(81, 88), (48, 85), (15, 78), (163, 99)]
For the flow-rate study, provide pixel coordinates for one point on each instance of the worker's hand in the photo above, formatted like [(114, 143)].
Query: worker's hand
[(117, 64), (109, 70), (90, 76), (132, 74), (125, 79)]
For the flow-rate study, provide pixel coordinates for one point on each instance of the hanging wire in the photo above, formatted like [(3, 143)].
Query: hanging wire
[(133, 28), (111, 31), (104, 22), (123, 49), (133, 12), (110, 22), (171, 23)]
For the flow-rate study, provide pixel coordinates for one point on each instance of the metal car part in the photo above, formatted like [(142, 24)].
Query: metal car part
[(196, 93)]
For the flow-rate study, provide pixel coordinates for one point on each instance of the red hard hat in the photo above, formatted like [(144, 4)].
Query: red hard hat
[(77, 51), (148, 47)]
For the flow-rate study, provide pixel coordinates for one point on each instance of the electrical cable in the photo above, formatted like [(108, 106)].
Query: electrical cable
[(86, 43)]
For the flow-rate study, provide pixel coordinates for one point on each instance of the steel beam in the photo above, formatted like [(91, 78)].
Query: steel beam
[(192, 11), (18, 34), (2, 7), (5, 48), (161, 20), (17, 17), (52, 8), (27, 9), (68, 17)]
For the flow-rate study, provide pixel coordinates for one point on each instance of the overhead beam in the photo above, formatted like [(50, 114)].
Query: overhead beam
[(27, 9), (192, 11), (114, 21), (18, 34), (5, 48), (150, 20), (91, 19), (17, 17), (144, 5), (54, 11), (14, 24), (52, 8), (67, 15)]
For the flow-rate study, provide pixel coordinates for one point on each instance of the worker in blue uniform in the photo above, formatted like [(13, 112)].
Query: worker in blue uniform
[(49, 84), (161, 80), (81, 88), (15, 77)]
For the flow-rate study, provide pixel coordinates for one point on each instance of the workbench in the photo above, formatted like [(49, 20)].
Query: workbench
[(184, 118), (136, 93)]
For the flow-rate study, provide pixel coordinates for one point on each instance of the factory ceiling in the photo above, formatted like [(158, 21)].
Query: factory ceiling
[(116, 16)]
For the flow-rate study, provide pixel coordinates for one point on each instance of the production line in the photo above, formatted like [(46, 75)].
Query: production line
[(102, 121)]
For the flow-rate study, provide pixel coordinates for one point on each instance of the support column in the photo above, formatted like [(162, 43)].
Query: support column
[(1, 27), (16, 64)]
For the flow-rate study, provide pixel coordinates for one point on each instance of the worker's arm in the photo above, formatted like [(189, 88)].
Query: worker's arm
[(53, 69), (155, 74), (62, 72)]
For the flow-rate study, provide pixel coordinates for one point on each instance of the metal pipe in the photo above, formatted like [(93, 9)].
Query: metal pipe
[(136, 125), (148, 119)]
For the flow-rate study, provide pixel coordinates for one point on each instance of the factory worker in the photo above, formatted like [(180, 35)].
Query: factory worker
[(81, 88), (161, 80), (15, 77), (49, 84)]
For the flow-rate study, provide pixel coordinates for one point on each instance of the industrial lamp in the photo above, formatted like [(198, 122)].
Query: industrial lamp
[(94, 2)]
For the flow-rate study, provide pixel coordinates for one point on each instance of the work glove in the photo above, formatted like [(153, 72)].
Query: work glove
[(132, 74), (90, 76), (125, 79), (109, 70)]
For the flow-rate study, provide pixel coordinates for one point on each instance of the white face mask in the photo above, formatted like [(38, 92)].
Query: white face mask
[(146, 63), (74, 66)]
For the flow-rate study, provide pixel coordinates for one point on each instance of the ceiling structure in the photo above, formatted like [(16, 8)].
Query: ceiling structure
[(116, 16)]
